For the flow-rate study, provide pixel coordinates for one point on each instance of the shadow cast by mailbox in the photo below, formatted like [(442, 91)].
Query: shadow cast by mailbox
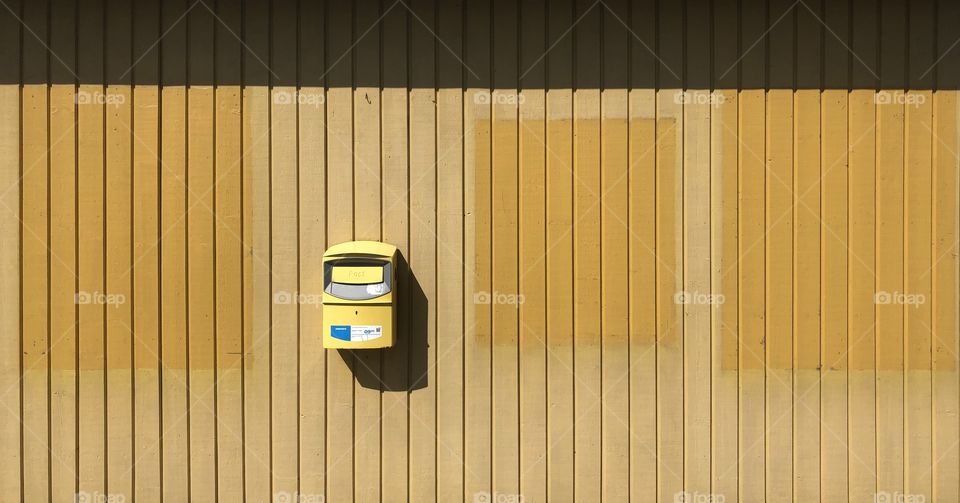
[(402, 367)]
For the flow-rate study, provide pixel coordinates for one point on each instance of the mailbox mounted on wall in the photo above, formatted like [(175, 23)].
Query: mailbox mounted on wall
[(359, 295)]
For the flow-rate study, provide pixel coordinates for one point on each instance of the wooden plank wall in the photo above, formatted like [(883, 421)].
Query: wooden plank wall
[(634, 269)]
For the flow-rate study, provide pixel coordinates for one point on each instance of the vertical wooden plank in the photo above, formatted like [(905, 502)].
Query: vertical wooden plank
[(312, 245), (10, 481), (63, 277), (697, 300), (118, 293), (559, 261), (642, 294), (476, 245), (257, 297), (669, 223), (806, 295), (504, 242), (751, 302), (256, 379), (200, 282), (587, 345), (10, 162), (201, 277), (396, 422), (560, 294), (256, 293), (35, 280), (477, 249), (173, 289), (423, 253), (833, 295), (284, 221), (724, 287), (450, 257), (861, 432), (340, 216), (449, 370), (146, 254), (614, 296), (944, 270), (587, 390), (778, 339), (145, 290), (614, 259), (146, 282), (228, 244), (918, 323), (889, 284), (283, 278), (173, 326), (312, 200)]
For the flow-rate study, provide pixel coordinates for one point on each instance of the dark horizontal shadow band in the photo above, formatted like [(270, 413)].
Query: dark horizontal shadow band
[(536, 44)]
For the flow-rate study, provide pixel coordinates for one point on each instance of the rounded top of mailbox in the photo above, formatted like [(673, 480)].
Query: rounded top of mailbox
[(366, 248)]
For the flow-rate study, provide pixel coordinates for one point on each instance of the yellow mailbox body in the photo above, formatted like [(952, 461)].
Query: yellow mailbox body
[(359, 295)]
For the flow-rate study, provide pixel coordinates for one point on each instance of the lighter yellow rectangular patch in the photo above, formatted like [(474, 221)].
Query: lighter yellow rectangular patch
[(358, 275)]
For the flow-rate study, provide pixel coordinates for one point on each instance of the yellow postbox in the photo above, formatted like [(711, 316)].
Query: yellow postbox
[(359, 295)]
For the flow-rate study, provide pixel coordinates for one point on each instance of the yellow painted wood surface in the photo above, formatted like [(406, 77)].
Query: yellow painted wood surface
[(619, 294)]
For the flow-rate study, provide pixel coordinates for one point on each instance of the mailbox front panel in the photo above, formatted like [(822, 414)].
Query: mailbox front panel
[(359, 305)]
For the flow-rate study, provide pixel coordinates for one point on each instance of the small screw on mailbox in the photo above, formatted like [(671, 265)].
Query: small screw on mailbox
[(359, 298)]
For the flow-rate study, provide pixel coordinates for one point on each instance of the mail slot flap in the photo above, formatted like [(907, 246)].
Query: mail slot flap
[(357, 275)]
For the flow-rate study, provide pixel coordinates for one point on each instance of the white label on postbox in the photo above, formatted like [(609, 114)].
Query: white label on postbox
[(363, 333)]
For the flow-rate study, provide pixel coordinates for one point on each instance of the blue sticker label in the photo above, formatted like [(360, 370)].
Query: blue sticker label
[(341, 332)]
